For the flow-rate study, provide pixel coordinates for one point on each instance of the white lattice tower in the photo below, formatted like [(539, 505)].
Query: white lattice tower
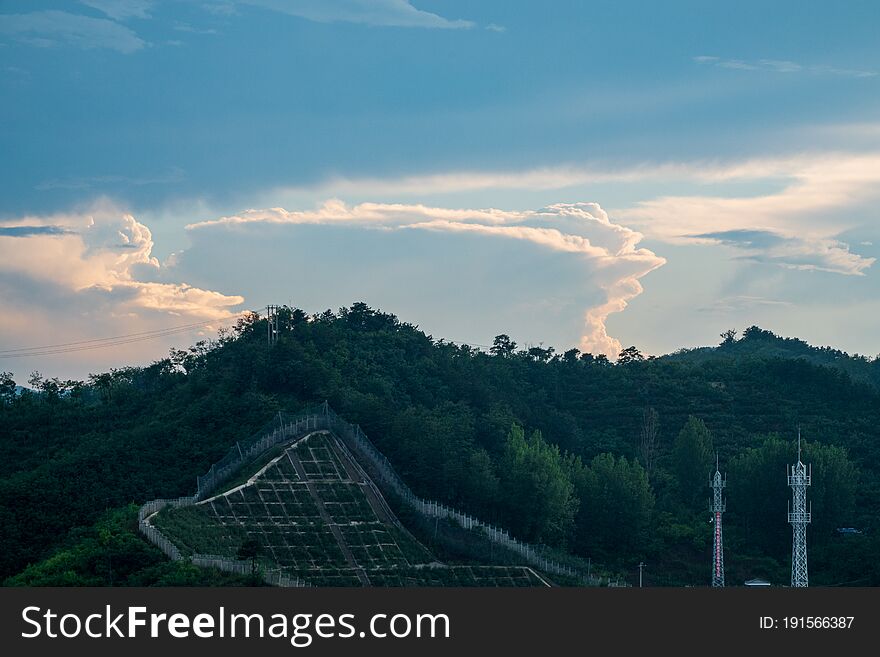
[(799, 517), (272, 324), (717, 484)]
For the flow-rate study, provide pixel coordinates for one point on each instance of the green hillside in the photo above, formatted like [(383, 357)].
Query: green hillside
[(312, 511), (760, 344), (608, 462)]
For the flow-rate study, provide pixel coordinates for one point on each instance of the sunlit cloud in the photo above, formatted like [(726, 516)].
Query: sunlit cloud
[(807, 207), (614, 261), (102, 253)]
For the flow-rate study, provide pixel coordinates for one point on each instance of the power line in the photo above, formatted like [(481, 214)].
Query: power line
[(111, 341), (108, 338)]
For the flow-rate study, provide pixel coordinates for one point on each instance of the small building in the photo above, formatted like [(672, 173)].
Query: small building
[(757, 582)]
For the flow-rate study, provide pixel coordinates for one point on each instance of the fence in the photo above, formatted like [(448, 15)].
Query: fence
[(358, 442), (285, 427), (281, 429), (276, 432)]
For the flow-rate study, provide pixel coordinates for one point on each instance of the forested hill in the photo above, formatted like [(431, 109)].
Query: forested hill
[(759, 343), (608, 461)]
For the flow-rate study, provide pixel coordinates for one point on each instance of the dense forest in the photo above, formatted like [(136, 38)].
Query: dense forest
[(609, 461)]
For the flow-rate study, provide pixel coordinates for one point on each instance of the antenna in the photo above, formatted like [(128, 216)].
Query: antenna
[(799, 479), (717, 484), (272, 324)]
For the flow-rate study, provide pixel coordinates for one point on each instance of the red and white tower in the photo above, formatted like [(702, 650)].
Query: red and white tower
[(717, 484)]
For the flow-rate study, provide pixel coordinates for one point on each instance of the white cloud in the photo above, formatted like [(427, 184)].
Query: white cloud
[(51, 28), (808, 254), (614, 261), (809, 206), (806, 214), (781, 66), (121, 10), (388, 13), (572, 175), (103, 254)]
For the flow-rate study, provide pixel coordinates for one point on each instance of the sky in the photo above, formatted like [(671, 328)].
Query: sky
[(591, 174)]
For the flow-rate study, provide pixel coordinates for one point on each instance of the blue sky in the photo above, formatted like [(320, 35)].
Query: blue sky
[(590, 174)]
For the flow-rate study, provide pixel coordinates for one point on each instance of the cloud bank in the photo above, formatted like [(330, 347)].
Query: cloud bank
[(608, 253), (104, 255), (795, 226), (89, 275), (815, 254)]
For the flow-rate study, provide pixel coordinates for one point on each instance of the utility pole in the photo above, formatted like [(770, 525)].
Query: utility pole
[(642, 564), (799, 478)]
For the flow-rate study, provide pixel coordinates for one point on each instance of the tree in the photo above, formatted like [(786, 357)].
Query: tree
[(616, 506), (728, 337), (536, 488), (104, 381), (648, 443), (692, 460), (541, 354), (630, 355), (502, 346), (7, 388), (250, 549), (758, 501), (35, 380), (571, 356)]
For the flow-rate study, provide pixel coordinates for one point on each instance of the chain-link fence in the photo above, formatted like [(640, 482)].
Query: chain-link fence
[(288, 427)]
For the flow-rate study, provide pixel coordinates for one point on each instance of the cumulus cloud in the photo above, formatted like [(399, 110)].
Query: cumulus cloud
[(387, 13), (106, 254), (614, 262), (54, 28), (92, 274)]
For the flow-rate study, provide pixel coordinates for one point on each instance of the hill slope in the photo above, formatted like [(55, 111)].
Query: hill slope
[(559, 449), (315, 513), (760, 344)]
